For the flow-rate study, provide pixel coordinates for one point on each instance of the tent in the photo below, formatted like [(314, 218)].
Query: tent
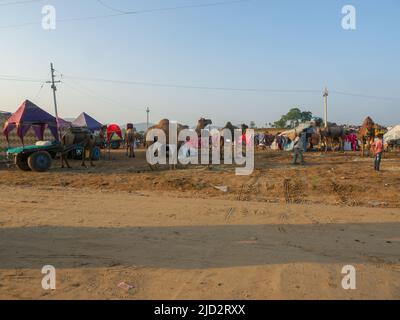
[(293, 133), (84, 120), (29, 116), (113, 130), (4, 115), (392, 135)]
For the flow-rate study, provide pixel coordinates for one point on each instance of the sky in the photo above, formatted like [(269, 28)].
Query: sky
[(279, 53)]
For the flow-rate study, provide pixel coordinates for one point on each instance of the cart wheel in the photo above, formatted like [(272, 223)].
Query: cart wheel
[(21, 162), (39, 161)]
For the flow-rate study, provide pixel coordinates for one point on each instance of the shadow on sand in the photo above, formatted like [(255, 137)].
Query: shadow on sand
[(198, 246)]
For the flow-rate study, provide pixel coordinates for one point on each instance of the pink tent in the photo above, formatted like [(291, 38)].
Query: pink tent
[(30, 115)]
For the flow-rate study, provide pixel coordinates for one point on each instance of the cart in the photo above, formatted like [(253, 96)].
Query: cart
[(38, 158)]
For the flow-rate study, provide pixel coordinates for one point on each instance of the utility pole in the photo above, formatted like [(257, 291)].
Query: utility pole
[(326, 94), (148, 112), (53, 86)]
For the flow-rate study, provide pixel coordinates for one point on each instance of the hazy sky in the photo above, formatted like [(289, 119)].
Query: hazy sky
[(261, 44)]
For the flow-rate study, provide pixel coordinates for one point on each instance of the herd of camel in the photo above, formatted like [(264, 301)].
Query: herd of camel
[(366, 134), (328, 136)]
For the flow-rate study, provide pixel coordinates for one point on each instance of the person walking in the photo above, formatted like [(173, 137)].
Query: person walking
[(298, 149), (377, 148)]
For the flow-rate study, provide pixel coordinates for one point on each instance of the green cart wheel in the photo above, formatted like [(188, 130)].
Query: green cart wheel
[(40, 161)]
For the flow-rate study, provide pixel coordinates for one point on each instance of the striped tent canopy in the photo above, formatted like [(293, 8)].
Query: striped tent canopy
[(86, 121), (29, 116)]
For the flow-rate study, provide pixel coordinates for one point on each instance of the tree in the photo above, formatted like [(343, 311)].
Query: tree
[(253, 125), (293, 118)]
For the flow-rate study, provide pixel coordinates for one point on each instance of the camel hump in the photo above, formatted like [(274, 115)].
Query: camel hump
[(368, 121), (164, 122), (230, 126), (182, 127)]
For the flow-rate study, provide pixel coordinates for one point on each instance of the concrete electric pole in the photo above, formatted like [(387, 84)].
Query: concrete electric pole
[(53, 86), (326, 94), (148, 112)]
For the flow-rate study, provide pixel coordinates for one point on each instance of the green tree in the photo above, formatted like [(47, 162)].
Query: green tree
[(253, 125), (293, 118)]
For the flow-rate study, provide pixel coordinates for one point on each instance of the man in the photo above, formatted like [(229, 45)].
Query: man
[(298, 149), (377, 148)]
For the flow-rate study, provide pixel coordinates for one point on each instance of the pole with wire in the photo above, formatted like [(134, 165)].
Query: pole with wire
[(148, 112), (326, 94), (53, 86)]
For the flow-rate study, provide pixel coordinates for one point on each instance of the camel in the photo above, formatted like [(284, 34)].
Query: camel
[(202, 124), (130, 141), (232, 129), (81, 136), (367, 134), (332, 134), (164, 126)]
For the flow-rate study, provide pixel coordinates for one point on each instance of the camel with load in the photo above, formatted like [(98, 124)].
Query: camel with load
[(79, 136), (367, 134)]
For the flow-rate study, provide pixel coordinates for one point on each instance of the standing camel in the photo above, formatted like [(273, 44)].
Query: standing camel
[(164, 126), (332, 134), (366, 134), (130, 141), (81, 136), (201, 125), (229, 126)]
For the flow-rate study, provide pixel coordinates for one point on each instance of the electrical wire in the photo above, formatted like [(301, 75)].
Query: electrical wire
[(11, 3), (110, 7), (88, 92), (363, 96), (5, 78), (137, 12), (180, 86), (189, 86)]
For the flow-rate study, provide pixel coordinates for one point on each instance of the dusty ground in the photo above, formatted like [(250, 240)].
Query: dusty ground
[(283, 232)]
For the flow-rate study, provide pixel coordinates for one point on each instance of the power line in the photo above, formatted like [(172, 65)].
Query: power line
[(179, 86), (40, 90), (19, 2), (86, 91), (363, 96), (7, 78), (110, 7), (137, 12), (190, 6)]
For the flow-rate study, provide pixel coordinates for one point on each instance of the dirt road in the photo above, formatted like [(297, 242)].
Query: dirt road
[(167, 246)]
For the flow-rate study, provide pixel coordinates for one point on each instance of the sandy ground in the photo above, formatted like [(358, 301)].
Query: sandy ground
[(283, 232)]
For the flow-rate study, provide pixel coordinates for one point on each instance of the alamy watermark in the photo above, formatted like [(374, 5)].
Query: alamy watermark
[(212, 147), (349, 20), (49, 17), (349, 280), (49, 280)]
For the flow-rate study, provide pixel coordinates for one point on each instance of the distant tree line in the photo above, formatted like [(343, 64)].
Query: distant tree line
[(293, 118)]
